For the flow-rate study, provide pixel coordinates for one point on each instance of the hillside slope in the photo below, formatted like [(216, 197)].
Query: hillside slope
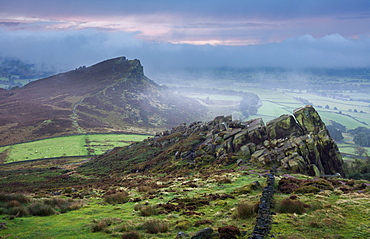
[(113, 95)]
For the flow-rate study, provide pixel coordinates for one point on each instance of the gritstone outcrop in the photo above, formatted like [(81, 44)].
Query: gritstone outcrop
[(299, 143)]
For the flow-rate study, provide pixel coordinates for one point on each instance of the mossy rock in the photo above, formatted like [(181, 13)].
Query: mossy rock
[(307, 189), (247, 189), (320, 184), (182, 225)]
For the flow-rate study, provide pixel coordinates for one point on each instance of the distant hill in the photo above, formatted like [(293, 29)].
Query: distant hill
[(113, 95), (16, 73)]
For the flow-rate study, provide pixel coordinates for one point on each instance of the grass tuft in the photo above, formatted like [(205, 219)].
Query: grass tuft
[(291, 206), (155, 226), (103, 224), (117, 198), (40, 209), (245, 210), (131, 235)]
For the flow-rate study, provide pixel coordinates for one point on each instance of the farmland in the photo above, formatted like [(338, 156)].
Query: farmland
[(76, 145)]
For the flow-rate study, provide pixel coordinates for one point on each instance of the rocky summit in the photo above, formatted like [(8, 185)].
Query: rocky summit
[(298, 143)]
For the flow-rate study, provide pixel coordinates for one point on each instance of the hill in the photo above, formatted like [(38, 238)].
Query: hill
[(113, 95)]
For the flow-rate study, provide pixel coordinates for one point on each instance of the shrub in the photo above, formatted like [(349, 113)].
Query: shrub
[(155, 226), (131, 235), (117, 198), (245, 210), (20, 211), (291, 206), (13, 203), (40, 209)]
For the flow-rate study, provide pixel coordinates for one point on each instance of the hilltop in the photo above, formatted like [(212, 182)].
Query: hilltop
[(113, 95)]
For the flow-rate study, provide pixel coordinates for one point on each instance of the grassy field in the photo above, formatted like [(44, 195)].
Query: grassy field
[(76, 145), (329, 213)]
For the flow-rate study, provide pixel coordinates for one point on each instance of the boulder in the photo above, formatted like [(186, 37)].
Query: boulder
[(229, 232), (309, 119), (282, 127), (203, 234)]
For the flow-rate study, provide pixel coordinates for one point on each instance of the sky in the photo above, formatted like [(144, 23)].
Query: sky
[(170, 34)]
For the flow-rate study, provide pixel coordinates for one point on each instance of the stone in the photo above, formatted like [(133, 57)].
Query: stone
[(313, 170), (309, 120), (282, 127), (203, 234), (229, 232), (182, 235)]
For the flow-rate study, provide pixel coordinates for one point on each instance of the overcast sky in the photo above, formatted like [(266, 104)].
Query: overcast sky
[(172, 33)]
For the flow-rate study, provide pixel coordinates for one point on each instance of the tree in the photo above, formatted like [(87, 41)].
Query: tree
[(338, 126), (362, 139), (335, 133), (327, 107), (249, 104), (360, 150)]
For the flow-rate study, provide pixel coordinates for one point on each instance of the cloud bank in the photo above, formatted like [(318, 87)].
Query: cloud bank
[(70, 49), (167, 34)]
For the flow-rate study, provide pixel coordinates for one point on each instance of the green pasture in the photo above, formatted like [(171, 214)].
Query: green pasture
[(76, 145), (270, 110), (276, 103), (347, 121)]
